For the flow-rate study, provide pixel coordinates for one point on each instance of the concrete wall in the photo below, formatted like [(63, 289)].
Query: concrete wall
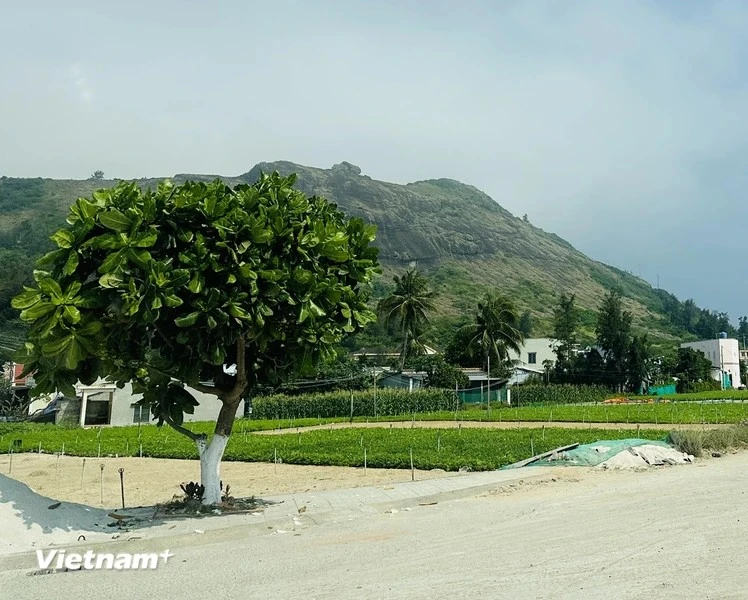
[(723, 354), (541, 347), (123, 409)]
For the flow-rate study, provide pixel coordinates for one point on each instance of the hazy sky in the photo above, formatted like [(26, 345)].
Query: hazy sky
[(621, 126)]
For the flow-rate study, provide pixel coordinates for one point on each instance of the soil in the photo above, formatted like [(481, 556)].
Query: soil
[(149, 481)]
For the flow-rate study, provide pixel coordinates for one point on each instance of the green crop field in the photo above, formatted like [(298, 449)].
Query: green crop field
[(673, 413), (448, 449)]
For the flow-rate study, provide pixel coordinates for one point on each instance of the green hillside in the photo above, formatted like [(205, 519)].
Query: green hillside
[(463, 240)]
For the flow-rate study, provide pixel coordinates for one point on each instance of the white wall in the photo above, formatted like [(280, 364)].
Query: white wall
[(723, 354), (543, 349), (123, 411)]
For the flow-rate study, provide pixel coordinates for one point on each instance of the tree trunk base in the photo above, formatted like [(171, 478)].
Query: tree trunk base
[(210, 466)]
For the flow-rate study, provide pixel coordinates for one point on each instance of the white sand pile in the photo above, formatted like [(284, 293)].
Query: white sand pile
[(27, 522), (645, 456)]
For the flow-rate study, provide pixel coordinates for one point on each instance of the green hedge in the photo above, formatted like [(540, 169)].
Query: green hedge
[(558, 394), (338, 404)]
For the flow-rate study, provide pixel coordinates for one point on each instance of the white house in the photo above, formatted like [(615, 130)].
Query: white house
[(104, 404), (533, 353), (724, 355)]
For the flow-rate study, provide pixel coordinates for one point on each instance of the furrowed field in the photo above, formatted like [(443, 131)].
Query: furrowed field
[(694, 413), (448, 449)]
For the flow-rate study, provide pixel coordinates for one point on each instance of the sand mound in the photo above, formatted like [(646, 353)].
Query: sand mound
[(645, 456), (28, 522)]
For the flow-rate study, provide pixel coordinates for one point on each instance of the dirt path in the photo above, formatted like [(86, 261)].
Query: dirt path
[(490, 425), (607, 536), (152, 480)]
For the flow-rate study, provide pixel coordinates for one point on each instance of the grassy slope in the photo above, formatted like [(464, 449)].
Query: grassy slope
[(465, 241)]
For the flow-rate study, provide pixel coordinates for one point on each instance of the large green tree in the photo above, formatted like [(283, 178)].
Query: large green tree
[(692, 366), (613, 331), (495, 331), (566, 319), (406, 309), (197, 285)]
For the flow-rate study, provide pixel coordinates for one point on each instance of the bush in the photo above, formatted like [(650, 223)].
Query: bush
[(690, 442), (338, 404), (685, 387), (558, 394)]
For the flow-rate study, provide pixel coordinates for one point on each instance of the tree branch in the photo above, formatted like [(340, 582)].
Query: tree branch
[(241, 369), (164, 337), (183, 430), (205, 389)]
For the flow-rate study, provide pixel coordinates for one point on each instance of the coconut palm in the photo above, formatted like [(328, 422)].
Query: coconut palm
[(496, 330), (406, 309)]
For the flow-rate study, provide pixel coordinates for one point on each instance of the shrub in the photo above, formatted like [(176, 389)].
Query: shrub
[(558, 394), (684, 387), (690, 442), (338, 404)]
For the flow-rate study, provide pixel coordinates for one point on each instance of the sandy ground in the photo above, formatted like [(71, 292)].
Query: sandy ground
[(150, 480), (493, 425), (676, 532)]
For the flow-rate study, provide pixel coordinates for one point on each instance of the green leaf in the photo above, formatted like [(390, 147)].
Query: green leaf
[(304, 314), (110, 280), (71, 264), (172, 301), (246, 272), (55, 347), (260, 235), (64, 238), (176, 414), (147, 240), (115, 220), (238, 312), (50, 287), (73, 354), (26, 299), (112, 262), (187, 321), (72, 314), (37, 311), (195, 286), (142, 258)]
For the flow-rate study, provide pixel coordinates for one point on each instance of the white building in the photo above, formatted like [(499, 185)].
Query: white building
[(724, 355), (533, 353), (103, 403)]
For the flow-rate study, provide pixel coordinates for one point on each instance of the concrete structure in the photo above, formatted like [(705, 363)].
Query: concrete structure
[(104, 404), (384, 356), (410, 380), (724, 355), (534, 352), (522, 374)]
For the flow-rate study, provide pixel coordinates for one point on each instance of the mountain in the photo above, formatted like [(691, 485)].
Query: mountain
[(462, 239)]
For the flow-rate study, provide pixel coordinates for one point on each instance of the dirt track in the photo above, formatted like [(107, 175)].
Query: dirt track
[(668, 533), (491, 425)]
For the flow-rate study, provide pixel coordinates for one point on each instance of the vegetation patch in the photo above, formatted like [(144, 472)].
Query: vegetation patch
[(448, 449)]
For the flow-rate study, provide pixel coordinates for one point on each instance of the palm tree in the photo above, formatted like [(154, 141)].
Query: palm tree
[(406, 307), (496, 330)]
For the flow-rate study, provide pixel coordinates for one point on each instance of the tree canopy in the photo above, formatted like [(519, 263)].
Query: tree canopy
[(174, 285), (407, 308), (495, 331)]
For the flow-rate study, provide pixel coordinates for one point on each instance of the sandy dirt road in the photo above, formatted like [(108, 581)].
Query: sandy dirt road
[(153, 480), (677, 532)]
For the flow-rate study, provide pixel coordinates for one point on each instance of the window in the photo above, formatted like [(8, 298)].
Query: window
[(140, 414), (532, 358)]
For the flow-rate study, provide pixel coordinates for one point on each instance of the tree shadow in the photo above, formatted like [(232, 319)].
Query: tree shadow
[(48, 514)]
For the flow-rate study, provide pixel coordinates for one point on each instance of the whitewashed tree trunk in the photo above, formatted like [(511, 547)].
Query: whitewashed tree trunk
[(210, 466)]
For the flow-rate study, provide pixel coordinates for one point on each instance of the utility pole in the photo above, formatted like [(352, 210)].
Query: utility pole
[(489, 384)]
